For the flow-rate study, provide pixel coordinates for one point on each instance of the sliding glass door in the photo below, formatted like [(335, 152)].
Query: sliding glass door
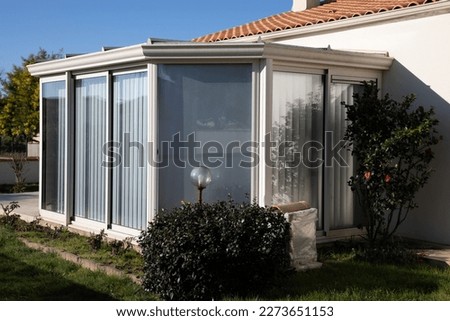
[(340, 200), (309, 159), (90, 136), (297, 138), (129, 127)]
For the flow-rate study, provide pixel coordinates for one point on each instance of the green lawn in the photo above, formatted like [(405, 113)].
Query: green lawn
[(352, 280), (27, 274), (31, 275), (129, 261)]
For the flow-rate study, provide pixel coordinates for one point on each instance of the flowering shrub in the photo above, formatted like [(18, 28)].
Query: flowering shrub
[(391, 142)]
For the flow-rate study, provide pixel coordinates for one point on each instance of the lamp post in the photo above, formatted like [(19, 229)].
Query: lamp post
[(200, 177)]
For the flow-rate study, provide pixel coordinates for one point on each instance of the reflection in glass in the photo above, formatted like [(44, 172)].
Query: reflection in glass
[(297, 131), (53, 145), (340, 198), (210, 105)]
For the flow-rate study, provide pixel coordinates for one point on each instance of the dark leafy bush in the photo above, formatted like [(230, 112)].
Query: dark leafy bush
[(206, 251), (392, 147)]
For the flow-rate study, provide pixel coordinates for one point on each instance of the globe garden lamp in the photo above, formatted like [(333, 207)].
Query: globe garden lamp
[(201, 177)]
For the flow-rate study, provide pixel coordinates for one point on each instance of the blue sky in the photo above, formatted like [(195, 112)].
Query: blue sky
[(79, 26)]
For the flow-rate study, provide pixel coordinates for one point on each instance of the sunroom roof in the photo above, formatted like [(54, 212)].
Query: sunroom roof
[(190, 52)]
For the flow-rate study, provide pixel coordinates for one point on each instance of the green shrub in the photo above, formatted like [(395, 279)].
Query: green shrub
[(206, 251), (391, 142)]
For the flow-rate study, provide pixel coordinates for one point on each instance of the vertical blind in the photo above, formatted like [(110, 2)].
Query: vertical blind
[(129, 179), (54, 137), (297, 124), (90, 135)]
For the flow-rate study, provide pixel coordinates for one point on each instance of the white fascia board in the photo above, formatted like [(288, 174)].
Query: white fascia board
[(88, 61), (316, 57), (260, 50), (148, 53), (424, 10), (209, 52)]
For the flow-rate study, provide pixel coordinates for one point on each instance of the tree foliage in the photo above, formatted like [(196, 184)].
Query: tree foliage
[(391, 142), (19, 101)]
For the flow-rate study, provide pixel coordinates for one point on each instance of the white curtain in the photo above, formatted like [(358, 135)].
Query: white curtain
[(90, 135), (54, 138), (297, 125), (129, 180)]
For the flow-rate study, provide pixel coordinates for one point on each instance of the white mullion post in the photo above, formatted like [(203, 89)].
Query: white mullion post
[(152, 135), (69, 148), (265, 122), (325, 199), (108, 136), (41, 143), (255, 135)]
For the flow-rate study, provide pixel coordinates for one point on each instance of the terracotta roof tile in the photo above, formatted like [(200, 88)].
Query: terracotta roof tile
[(332, 11)]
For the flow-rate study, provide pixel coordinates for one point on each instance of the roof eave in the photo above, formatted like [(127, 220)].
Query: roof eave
[(202, 52), (148, 53), (88, 61)]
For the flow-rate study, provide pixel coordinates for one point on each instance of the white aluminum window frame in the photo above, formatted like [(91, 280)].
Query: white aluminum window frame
[(331, 74), (62, 218), (83, 223), (256, 111), (115, 228), (343, 76), (75, 220), (277, 67)]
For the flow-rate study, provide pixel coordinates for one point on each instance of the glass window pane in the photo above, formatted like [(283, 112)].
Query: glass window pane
[(204, 117), (90, 135), (53, 145), (340, 198), (297, 134), (129, 180)]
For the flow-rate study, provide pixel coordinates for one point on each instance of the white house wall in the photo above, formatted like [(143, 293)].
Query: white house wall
[(421, 49)]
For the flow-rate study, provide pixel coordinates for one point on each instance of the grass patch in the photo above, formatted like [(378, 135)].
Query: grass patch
[(27, 274), (345, 278), (128, 261)]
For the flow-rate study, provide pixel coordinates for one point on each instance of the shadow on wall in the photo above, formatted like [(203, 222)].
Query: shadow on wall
[(430, 221)]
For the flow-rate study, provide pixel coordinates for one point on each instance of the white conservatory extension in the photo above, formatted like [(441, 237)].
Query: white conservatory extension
[(122, 129)]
